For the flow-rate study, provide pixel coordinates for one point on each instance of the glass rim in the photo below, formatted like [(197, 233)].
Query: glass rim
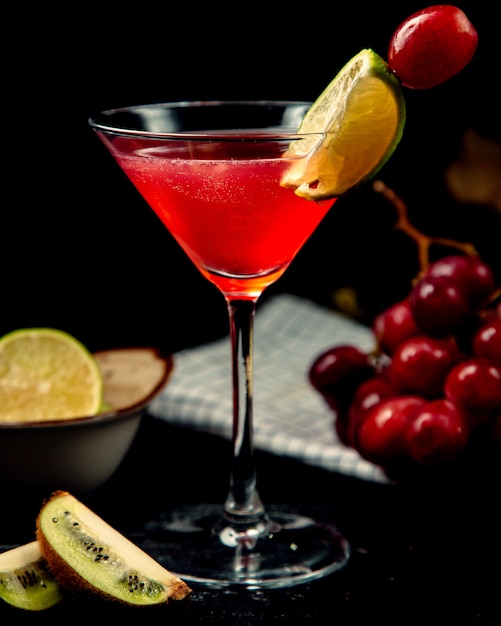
[(99, 123)]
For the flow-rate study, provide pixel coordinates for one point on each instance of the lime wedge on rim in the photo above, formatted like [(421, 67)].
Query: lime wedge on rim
[(361, 115), (47, 374)]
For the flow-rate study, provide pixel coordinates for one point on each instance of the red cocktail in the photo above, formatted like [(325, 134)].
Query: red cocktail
[(213, 174)]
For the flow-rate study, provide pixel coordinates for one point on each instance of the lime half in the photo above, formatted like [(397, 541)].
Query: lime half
[(361, 117), (47, 374)]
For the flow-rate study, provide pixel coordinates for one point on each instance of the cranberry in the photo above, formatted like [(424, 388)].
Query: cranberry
[(431, 46)]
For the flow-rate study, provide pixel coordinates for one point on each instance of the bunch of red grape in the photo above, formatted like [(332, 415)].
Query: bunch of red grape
[(434, 381)]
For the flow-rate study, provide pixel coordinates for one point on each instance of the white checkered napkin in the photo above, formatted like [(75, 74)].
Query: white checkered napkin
[(290, 417)]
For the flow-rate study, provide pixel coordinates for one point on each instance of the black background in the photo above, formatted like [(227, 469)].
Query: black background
[(80, 250)]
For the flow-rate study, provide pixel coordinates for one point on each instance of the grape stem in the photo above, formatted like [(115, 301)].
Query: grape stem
[(423, 241)]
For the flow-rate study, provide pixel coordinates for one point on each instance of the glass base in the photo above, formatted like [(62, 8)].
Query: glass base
[(281, 550)]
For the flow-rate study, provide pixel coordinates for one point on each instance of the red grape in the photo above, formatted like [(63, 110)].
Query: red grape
[(369, 393), (381, 434), (421, 364), (394, 325), (474, 385), (337, 372), (487, 341), (432, 389), (437, 305), (470, 274), (431, 46), (437, 432)]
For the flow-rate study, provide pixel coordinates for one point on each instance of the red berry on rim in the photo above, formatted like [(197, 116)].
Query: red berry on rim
[(431, 46)]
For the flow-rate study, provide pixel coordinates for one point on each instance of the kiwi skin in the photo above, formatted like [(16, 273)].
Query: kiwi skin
[(64, 506)]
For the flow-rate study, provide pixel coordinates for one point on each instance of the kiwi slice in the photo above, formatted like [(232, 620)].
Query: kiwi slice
[(85, 553), (25, 580)]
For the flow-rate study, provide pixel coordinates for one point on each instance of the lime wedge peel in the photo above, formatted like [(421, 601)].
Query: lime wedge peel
[(47, 374), (361, 116)]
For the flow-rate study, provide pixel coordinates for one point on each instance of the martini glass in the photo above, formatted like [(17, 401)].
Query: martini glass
[(212, 173)]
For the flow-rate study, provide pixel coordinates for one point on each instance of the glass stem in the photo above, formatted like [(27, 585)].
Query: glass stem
[(243, 504)]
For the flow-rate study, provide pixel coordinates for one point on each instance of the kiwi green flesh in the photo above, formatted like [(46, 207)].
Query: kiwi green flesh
[(25, 580), (85, 553)]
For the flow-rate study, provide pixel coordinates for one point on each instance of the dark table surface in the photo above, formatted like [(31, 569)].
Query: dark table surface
[(426, 553)]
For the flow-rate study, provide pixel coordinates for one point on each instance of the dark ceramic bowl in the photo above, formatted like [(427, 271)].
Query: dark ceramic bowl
[(81, 454)]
